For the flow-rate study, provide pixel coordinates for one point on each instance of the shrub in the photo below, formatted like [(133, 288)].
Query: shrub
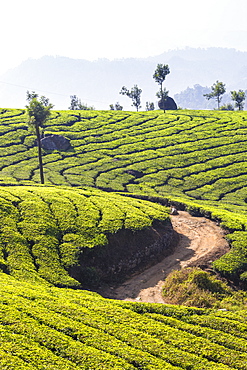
[(194, 287)]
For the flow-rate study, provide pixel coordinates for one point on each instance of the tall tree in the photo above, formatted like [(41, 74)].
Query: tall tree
[(134, 94), (239, 98), (38, 112), (162, 70), (218, 89)]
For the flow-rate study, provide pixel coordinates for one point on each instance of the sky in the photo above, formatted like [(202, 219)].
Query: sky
[(114, 29)]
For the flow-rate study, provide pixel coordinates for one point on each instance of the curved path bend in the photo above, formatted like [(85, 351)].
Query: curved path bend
[(200, 242)]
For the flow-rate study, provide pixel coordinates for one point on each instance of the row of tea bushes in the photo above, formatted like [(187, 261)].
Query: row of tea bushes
[(46, 327)]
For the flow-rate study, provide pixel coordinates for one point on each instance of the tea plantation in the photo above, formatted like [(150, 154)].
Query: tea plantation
[(120, 167), (46, 230)]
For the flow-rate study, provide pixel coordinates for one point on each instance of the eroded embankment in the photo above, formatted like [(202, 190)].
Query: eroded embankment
[(127, 252), (200, 242)]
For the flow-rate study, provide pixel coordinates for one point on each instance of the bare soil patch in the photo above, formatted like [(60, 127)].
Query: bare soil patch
[(201, 241)]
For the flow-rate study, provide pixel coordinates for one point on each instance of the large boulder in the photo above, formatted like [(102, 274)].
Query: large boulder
[(55, 142), (168, 104), (135, 173)]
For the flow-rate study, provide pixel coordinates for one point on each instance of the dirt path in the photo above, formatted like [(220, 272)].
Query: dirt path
[(200, 242)]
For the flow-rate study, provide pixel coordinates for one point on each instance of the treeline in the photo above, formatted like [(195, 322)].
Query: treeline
[(194, 98)]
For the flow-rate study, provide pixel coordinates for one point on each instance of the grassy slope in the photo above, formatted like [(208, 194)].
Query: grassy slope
[(197, 158)]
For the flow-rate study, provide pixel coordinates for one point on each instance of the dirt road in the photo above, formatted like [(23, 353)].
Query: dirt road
[(200, 242)]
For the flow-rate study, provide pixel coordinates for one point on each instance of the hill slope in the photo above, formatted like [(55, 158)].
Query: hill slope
[(52, 328), (75, 238), (197, 158)]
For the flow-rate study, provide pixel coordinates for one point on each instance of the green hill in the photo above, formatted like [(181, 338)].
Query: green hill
[(110, 186), (193, 158), (63, 235)]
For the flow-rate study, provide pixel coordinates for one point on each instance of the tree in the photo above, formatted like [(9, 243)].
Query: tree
[(239, 98), (149, 106), (218, 89), (227, 106), (134, 94), (38, 112), (76, 104), (162, 70), (117, 106)]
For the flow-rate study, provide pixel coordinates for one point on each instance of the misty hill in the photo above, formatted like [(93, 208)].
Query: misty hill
[(98, 82)]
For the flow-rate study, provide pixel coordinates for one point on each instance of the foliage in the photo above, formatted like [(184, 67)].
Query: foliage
[(134, 94), (45, 231), (46, 327), (239, 98), (162, 95), (227, 107), (218, 89), (117, 106), (196, 159), (233, 264), (38, 112), (149, 106), (76, 104), (162, 70), (194, 287)]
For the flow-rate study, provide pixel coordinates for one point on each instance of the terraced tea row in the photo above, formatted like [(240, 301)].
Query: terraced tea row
[(44, 327), (46, 230), (192, 154)]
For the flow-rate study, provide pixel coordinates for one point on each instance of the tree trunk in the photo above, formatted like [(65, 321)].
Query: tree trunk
[(39, 154), (218, 101), (161, 93)]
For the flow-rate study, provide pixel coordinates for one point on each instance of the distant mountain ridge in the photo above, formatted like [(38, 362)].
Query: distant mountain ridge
[(98, 82)]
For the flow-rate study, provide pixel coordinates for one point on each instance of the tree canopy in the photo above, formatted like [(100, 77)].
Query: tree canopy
[(134, 94), (239, 98), (162, 70), (218, 89), (117, 106), (38, 112), (76, 104)]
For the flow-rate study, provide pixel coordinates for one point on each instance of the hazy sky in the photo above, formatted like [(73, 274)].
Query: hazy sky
[(92, 29)]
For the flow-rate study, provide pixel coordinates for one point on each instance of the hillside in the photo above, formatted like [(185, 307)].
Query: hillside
[(196, 158), (52, 328), (104, 202), (200, 242), (98, 82), (72, 238)]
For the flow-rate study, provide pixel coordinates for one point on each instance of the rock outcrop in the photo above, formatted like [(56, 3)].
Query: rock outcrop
[(55, 142), (135, 173), (168, 104)]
